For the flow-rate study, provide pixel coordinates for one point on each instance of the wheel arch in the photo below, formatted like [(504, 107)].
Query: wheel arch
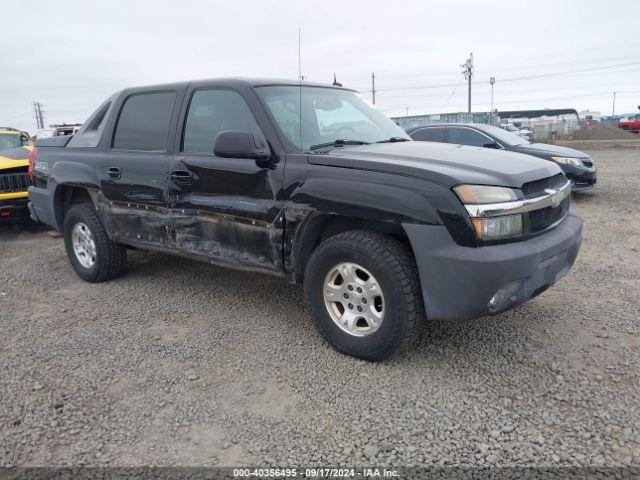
[(66, 196), (318, 227)]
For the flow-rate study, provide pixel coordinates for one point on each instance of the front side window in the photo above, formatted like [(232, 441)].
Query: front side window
[(211, 112), (309, 116), (432, 134), (467, 136), (144, 122)]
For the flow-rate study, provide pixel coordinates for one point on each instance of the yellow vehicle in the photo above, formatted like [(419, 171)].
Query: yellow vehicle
[(14, 182), (12, 138)]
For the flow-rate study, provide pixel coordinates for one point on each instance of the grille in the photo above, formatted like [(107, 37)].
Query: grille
[(542, 219), (14, 182), (536, 188)]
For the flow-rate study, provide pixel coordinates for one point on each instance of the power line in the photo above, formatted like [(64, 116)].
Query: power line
[(510, 67), (528, 100), (517, 79), (511, 91), (449, 85)]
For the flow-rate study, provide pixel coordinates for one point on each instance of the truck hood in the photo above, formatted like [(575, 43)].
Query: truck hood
[(546, 150), (15, 157), (446, 164)]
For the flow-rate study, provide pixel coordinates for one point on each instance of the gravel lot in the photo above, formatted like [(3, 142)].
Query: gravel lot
[(181, 363)]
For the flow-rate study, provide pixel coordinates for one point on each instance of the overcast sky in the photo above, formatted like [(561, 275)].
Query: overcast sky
[(70, 56)]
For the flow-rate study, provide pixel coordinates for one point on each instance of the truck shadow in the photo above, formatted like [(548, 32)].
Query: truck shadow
[(510, 336)]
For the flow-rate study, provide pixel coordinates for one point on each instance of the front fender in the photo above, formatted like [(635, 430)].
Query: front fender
[(372, 196)]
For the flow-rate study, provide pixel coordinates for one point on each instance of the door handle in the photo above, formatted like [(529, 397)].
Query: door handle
[(181, 177), (114, 172)]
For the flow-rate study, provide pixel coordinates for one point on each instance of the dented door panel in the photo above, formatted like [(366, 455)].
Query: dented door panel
[(135, 206), (229, 212)]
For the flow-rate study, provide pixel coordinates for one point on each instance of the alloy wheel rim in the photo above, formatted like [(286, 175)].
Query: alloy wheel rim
[(84, 247), (354, 299)]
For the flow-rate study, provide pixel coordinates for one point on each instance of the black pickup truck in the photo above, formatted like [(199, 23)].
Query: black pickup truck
[(311, 183)]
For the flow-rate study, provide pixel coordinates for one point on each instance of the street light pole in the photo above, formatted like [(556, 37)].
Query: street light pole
[(492, 80), (613, 113), (373, 87)]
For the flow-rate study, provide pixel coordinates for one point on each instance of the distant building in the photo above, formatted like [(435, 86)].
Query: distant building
[(590, 116)]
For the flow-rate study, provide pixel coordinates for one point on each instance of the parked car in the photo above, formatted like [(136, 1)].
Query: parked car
[(576, 165), (311, 183), (631, 124), (14, 184)]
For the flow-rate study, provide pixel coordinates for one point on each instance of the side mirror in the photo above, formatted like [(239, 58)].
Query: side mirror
[(492, 145), (241, 144)]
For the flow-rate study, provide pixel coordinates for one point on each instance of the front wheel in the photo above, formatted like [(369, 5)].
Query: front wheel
[(94, 257), (363, 293)]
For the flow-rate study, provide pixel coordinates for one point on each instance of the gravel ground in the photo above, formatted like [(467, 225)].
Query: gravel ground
[(181, 363)]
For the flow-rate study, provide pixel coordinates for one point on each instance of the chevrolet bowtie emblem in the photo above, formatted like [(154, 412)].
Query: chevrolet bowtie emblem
[(555, 201)]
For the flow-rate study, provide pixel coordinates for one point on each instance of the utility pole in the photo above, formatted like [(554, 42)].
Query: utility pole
[(373, 87), (613, 113), (468, 73), (37, 108), (492, 80), (406, 111)]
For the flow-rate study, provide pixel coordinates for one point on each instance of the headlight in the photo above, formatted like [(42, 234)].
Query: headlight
[(490, 229), (478, 194), (576, 162)]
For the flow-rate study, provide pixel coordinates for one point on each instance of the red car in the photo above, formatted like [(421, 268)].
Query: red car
[(631, 125)]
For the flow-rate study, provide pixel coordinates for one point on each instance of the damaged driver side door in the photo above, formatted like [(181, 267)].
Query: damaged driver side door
[(223, 209)]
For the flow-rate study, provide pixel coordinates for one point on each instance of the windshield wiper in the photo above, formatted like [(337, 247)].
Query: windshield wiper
[(337, 143), (394, 139)]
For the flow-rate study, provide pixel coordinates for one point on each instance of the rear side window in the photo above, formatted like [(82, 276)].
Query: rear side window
[(434, 134), (144, 122), (211, 112), (467, 136), (90, 133)]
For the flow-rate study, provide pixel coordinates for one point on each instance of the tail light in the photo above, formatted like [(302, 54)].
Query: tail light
[(32, 161)]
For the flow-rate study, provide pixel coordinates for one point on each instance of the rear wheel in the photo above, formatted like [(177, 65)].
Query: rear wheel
[(94, 257), (363, 293)]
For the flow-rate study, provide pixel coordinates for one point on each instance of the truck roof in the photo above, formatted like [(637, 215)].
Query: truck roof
[(235, 81)]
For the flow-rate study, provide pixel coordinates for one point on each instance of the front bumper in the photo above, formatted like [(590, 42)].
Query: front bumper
[(581, 178), (460, 282), (14, 210)]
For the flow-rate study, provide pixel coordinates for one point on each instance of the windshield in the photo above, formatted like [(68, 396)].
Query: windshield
[(328, 114), (9, 140), (503, 136)]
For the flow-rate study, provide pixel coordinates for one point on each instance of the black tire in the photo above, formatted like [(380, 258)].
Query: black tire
[(111, 257), (392, 265)]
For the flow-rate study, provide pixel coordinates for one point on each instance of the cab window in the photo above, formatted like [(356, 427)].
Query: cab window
[(211, 112)]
